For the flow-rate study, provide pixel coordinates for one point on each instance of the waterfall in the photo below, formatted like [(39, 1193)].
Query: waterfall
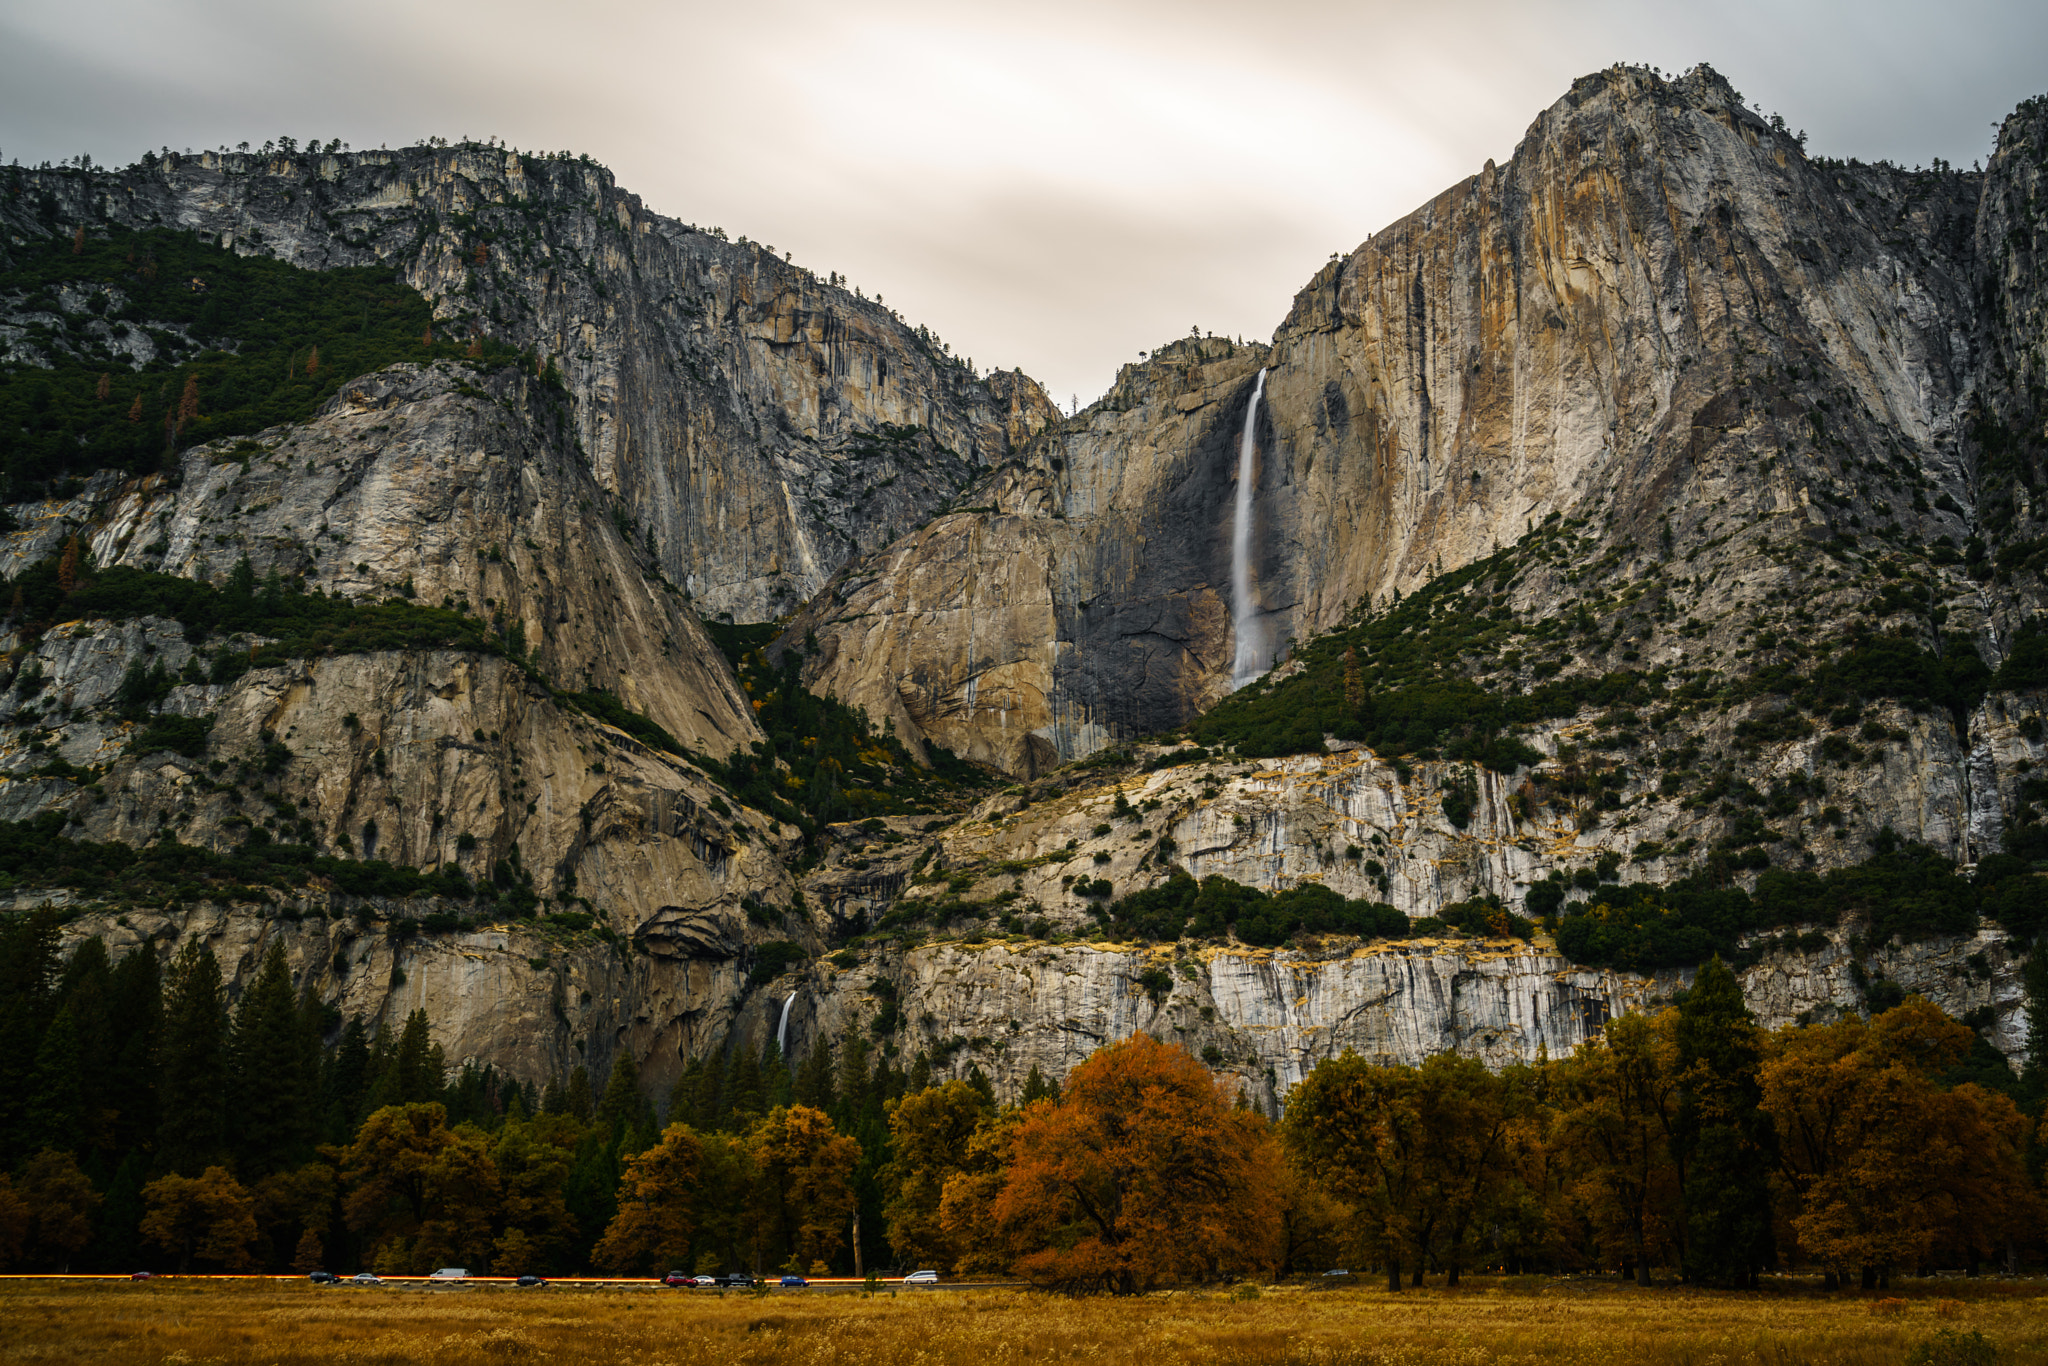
[(782, 1028), (1252, 652)]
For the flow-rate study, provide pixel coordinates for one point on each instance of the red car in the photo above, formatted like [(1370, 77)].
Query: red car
[(676, 1278)]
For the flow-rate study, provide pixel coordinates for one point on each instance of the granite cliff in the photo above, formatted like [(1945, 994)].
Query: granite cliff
[(1661, 400), (1659, 319), (763, 425)]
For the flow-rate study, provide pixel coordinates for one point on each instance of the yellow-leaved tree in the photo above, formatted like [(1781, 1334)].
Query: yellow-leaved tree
[(652, 1229), (422, 1194), (210, 1216), (930, 1133), (1614, 1101), (803, 1188)]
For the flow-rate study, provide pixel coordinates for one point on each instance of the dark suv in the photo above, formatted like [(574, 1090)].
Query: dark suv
[(737, 1280)]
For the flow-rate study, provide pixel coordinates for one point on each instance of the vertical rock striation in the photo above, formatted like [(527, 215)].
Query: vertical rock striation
[(758, 425)]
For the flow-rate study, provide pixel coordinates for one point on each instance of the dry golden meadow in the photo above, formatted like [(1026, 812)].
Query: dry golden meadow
[(191, 1323)]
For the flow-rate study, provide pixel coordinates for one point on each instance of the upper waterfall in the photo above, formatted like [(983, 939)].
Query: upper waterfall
[(1253, 655)]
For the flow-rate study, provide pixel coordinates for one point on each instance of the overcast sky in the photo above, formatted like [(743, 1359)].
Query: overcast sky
[(1053, 186)]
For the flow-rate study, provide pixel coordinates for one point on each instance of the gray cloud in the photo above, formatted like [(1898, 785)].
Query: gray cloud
[(1055, 187)]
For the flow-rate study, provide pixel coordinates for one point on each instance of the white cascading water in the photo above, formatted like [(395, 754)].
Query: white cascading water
[(1252, 654), (782, 1028)]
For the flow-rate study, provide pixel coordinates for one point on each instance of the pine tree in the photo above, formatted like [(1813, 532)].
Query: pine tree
[(814, 1079), (270, 1086), (85, 991), (135, 1022), (192, 1085), (682, 1097), (576, 1095), (2034, 1080), (978, 1079), (117, 1241), (591, 1190), (345, 1082), (776, 1083), (853, 1082), (711, 1110), (417, 1072), (622, 1102), (747, 1099), (28, 976), (56, 1096), (1724, 1140), (67, 566), (1037, 1088)]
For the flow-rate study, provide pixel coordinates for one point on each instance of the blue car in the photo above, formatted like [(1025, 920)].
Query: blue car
[(794, 1282)]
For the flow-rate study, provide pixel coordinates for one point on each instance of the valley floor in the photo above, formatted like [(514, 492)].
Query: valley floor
[(1531, 1319)]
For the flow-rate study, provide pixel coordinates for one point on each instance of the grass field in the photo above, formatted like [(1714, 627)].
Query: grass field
[(190, 1323)]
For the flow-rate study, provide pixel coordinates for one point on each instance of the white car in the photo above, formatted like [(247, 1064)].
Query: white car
[(922, 1278)]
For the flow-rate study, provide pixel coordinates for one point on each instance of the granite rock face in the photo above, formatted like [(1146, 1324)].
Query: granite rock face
[(1643, 321), (413, 482), (1660, 345), (762, 426), (1268, 1015)]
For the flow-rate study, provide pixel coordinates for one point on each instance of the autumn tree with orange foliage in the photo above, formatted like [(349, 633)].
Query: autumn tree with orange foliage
[(67, 566), (803, 1190), (1140, 1174), (652, 1228), (1884, 1163)]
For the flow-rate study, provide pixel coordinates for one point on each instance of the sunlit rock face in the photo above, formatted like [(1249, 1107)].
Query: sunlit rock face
[(1638, 319)]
